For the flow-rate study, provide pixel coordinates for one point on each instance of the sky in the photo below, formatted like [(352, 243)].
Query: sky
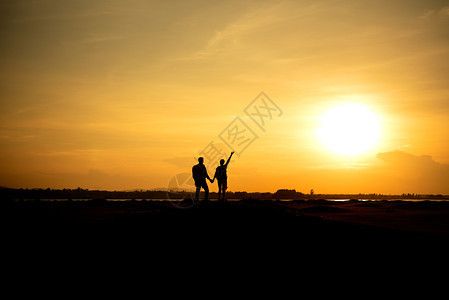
[(122, 95)]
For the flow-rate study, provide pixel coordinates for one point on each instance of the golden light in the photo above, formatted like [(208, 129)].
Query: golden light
[(349, 129)]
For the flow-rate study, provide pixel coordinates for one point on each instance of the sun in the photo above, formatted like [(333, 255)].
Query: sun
[(349, 129)]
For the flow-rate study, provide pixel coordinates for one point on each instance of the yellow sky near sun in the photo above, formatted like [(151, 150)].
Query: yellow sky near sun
[(124, 94)]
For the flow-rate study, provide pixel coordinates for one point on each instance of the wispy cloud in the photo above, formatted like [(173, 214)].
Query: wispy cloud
[(444, 11), (74, 152), (232, 33), (432, 13), (98, 38), (427, 14), (38, 12)]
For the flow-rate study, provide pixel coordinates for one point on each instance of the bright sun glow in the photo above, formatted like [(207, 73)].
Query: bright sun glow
[(349, 129)]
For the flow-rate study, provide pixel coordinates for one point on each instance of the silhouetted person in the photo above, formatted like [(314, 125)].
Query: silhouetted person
[(199, 174), (222, 177)]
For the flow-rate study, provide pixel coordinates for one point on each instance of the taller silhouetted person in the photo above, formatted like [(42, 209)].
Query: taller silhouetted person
[(222, 177), (199, 174)]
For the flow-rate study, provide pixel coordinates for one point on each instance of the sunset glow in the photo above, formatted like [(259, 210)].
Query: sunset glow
[(123, 95), (349, 129)]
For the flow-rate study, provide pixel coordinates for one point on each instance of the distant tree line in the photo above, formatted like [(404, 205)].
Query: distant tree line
[(287, 194)]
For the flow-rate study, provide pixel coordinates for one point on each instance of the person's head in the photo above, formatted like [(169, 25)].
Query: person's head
[(200, 160), (221, 161)]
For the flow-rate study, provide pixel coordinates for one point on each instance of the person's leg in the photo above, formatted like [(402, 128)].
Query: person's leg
[(206, 192), (220, 192), (225, 186), (197, 194)]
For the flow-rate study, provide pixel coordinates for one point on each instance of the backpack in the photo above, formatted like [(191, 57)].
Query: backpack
[(220, 173), (197, 172)]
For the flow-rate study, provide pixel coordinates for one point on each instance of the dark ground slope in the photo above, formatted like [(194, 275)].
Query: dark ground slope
[(243, 223), (243, 237)]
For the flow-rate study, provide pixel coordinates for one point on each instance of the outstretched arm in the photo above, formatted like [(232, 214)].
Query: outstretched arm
[(207, 175), (229, 159)]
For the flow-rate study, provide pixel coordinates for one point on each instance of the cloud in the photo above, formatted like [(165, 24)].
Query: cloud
[(432, 13), (231, 34), (48, 11), (92, 179), (427, 14), (416, 173), (97, 38), (181, 161), (405, 159), (444, 11)]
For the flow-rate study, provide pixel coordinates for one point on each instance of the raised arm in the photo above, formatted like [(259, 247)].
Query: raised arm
[(229, 159)]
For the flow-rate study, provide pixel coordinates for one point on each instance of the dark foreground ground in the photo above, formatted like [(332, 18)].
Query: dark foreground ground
[(247, 222), (246, 243), (237, 239), (254, 233)]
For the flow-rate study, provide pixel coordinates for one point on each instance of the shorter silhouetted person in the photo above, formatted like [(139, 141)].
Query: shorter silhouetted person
[(222, 177), (199, 174)]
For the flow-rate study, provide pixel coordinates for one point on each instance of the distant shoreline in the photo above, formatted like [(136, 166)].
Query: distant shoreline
[(283, 194), (215, 199)]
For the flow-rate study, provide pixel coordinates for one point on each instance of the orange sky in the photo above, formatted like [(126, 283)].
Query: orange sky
[(125, 94)]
